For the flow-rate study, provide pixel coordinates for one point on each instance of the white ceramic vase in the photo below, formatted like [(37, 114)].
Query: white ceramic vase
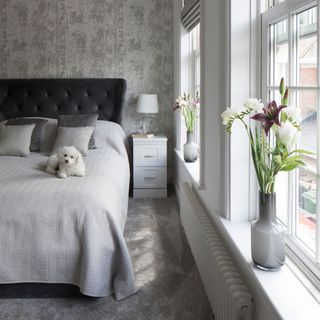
[(267, 236), (190, 149)]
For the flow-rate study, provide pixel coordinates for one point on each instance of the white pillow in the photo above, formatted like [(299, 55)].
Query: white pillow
[(15, 140), (78, 137)]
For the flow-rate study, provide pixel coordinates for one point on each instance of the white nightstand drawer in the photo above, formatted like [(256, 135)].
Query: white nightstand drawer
[(150, 177), (153, 155)]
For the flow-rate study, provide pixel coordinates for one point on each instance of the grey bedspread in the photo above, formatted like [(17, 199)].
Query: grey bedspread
[(67, 230)]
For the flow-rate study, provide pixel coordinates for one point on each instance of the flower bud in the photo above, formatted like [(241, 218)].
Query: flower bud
[(277, 159), (281, 87), (285, 98)]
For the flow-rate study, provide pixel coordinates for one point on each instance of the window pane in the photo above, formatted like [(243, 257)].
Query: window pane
[(274, 95), (197, 71), (306, 100), (280, 52), (196, 37), (307, 47), (281, 188), (307, 204)]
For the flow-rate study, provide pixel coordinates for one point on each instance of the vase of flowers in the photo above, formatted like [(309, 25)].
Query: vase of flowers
[(189, 108), (272, 143)]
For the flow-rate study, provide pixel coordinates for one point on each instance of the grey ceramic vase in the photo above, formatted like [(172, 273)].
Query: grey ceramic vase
[(190, 149), (267, 236)]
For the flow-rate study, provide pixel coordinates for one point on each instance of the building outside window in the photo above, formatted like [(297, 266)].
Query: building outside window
[(290, 50)]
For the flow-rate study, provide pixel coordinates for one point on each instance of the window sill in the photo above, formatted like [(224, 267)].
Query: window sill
[(192, 168), (286, 292)]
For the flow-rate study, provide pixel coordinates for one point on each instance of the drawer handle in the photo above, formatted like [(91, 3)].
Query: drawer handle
[(148, 156), (150, 178)]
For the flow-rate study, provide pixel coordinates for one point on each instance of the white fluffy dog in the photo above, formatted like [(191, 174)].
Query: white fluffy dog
[(68, 162)]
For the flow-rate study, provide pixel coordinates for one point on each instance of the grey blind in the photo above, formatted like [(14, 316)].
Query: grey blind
[(190, 15)]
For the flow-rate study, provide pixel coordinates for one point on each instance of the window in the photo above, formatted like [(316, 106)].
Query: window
[(191, 71), (290, 50), (194, 67)]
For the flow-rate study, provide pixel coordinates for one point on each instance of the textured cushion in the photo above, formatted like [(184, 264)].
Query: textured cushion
[(15, 140), (36, 135), (81, 120), (49, 135), (77, 137)]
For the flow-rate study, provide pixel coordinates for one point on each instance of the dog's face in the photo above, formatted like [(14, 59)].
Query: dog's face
[(69, 156)]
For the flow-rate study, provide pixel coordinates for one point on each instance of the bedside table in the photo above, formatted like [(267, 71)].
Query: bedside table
[(150, 167)]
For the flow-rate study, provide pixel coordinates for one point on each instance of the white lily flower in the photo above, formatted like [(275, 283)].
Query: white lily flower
[(181, 102), (253, 104), (293, 112), (230, 113), (287, 134)]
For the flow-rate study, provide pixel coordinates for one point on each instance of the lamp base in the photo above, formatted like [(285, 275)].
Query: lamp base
[(143, 130)]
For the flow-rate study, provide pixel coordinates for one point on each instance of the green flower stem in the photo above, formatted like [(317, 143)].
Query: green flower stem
[(253, 152), (190, 117), (263, 164)]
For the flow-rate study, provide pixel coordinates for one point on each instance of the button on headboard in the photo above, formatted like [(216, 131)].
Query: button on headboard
[(51, 97)]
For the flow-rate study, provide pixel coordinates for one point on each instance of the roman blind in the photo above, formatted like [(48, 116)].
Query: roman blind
[(190, 15)]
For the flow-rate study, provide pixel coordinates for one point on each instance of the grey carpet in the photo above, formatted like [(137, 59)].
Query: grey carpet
[(170, 286)]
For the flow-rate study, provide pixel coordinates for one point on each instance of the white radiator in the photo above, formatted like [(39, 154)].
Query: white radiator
[(227, 293)]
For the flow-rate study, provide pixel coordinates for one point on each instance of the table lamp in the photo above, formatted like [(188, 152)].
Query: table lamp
[(147, 103)]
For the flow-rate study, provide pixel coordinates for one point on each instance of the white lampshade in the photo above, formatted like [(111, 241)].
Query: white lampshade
[(147, 103)]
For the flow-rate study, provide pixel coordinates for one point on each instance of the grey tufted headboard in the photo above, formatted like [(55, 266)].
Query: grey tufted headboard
[(51, 97)]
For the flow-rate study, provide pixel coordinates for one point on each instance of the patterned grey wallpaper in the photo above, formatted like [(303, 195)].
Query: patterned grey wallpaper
[(132, 39)]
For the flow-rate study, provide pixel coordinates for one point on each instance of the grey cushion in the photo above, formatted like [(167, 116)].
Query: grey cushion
[(80, 120), (15, 140), (77, 137), (36, 135), (49, 135)]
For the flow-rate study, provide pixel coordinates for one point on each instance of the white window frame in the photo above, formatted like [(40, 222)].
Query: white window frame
[(281, 11)]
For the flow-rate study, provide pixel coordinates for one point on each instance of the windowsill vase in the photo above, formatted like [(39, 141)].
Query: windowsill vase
[(267, 236), (190, 149)]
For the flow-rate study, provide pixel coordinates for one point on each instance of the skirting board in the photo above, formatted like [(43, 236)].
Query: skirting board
[(149, 193)]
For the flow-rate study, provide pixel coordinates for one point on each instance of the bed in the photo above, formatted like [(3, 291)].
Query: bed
[(67, 231)]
